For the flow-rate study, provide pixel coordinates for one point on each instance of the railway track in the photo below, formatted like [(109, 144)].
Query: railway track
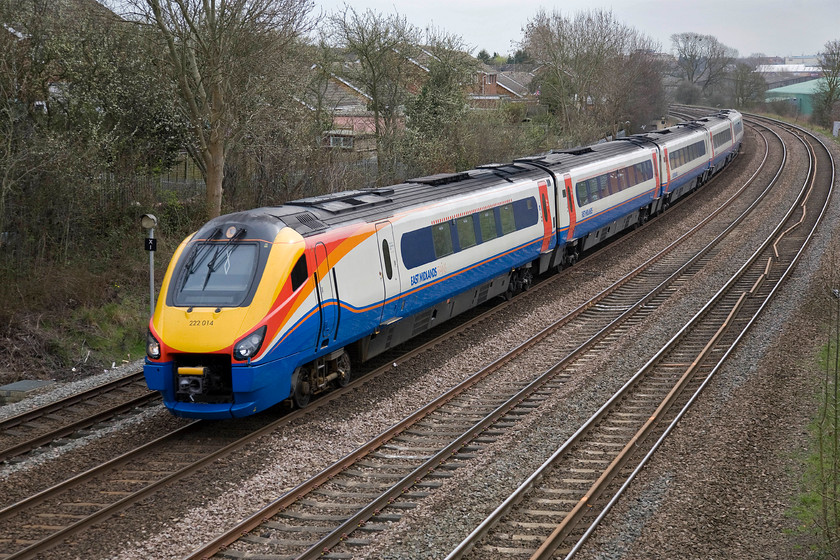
[(559, 505), (369, 488), (66, 417)]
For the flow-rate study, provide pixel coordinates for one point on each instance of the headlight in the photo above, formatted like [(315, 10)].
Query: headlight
[(250, 345), (152, 346)]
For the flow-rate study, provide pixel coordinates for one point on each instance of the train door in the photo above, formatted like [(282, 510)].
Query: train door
[(548, 229), (389, 272), (711, 151), (657, 175), (327, 304), (567, 181)]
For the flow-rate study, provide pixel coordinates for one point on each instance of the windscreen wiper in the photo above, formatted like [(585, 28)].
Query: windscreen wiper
[(203, 251), (194, 258), (211, 266)]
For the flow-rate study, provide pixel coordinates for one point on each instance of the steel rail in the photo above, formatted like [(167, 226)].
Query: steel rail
[(30, 415)]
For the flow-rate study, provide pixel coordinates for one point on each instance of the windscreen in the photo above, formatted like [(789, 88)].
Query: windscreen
[(217, 274)]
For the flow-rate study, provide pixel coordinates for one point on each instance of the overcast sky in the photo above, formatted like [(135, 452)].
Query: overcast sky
[(771, 27)]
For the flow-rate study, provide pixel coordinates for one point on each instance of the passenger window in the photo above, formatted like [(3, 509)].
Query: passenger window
[(593, 185), (487, 223), (442, 237), (644, 172), (299, 274), (386, 258), (631, 175), (582, 194), (466, 232), (611, 185), (507, 218)]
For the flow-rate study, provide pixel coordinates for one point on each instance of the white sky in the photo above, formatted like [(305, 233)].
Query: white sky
[(771, 27)]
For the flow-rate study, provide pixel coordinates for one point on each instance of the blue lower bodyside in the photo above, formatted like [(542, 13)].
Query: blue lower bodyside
[(597, 221), (259, 386), (685, 178), (255, 388)]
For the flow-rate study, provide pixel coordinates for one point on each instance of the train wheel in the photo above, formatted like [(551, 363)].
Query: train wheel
[(527, 279), (520, 281), (343, 367), (303, 389)]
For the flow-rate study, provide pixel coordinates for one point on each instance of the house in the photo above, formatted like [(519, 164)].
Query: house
[(347, 105), (493, 87), (353, 127)]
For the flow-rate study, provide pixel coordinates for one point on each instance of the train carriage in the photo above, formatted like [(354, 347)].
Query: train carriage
[(725, 131), (271, 303), (604, 189), (684, 159)]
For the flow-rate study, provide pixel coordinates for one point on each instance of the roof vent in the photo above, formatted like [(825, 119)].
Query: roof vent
[(441, 179), (346, 201), (306, 222), (575, 151)]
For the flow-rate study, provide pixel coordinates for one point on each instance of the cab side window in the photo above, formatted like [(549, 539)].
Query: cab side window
[(299, 273)]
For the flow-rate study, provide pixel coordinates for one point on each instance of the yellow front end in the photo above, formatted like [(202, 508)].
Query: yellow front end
[(207, 348)]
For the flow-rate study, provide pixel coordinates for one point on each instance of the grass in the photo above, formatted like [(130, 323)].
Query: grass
[(818, 509), (87, 313)]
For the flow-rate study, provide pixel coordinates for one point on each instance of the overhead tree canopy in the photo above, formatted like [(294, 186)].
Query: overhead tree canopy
[(749, 86), (588, 61), (226, 58), (702, 59), (382, 54), (435, 114)]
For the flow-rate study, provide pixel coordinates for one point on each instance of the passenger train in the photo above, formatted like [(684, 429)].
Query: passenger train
[(271, 304)]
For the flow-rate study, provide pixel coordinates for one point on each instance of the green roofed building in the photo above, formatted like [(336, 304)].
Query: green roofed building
[(801, 95)]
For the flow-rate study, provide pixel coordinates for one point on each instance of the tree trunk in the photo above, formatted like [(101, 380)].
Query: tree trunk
[(214, 158)]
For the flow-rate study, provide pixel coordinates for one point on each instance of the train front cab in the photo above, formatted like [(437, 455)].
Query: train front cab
[(213, 350)]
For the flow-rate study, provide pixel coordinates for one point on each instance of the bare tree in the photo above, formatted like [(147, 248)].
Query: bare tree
[(828, 92), (226, 58), (748, 85), (702, 59), (588, 62), (382, 56)]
